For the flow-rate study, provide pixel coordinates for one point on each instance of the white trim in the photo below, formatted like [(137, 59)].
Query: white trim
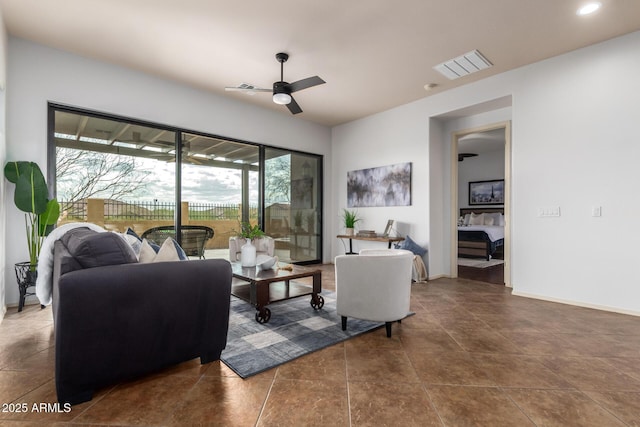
[(576, 303)]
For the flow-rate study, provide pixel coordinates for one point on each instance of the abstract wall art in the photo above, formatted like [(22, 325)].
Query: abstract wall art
[(380, 186)]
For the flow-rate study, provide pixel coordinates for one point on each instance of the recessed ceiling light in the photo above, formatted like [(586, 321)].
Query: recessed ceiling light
[(589, 8)]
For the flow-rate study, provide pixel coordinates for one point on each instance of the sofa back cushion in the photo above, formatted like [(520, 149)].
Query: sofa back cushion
[(93, 249)]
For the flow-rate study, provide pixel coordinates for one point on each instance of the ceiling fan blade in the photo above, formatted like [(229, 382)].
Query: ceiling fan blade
[(306, 83), (246, 89), (294, 107)]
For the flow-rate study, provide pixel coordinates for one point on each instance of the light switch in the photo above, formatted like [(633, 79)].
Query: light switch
[(547, 212), (596, 211)]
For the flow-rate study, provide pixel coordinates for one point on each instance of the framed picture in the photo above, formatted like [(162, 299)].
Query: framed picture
[(486, 192), (387, 229), (380, 186)]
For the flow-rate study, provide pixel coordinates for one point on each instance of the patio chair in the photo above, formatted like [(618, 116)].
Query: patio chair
[(193, 239)]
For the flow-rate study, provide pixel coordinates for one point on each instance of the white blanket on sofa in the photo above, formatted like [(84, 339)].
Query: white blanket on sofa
[(44, 281)]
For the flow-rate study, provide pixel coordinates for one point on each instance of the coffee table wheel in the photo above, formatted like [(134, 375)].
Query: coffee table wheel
[(317, 302), (263, 316)]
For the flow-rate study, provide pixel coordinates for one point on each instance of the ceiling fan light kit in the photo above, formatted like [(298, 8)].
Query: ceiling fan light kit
[(281, 98), (282, 90)]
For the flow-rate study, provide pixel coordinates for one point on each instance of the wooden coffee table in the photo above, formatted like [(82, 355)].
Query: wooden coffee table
[(260, 288)]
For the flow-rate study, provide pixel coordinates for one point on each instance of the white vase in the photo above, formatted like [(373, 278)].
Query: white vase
[(248, 254)]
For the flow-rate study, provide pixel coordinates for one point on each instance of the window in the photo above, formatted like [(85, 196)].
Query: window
[(118, 173)]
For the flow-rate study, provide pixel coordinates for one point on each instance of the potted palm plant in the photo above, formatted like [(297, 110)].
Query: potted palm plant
[(350, 219), (41, 214)]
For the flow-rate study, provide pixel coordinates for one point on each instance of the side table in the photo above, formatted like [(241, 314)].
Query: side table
[(389, 240)]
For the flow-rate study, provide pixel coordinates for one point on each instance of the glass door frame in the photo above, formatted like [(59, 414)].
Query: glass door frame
[(53, 107)]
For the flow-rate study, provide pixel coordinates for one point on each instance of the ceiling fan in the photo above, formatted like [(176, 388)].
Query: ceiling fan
[(282, 90)]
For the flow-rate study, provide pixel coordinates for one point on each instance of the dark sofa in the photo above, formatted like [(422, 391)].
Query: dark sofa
[(118, 322)]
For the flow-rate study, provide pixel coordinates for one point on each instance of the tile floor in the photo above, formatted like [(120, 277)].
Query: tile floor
[(472, 355)]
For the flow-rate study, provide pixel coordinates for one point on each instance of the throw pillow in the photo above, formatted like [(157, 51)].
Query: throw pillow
[(147, 252), (133, 240), (412, 246), (169, 251), (93, 249)]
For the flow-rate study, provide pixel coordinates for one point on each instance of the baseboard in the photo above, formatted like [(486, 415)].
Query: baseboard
[(438, 276), (576, 303)]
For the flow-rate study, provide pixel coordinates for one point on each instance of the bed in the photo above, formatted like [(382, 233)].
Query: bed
[(482, 235)]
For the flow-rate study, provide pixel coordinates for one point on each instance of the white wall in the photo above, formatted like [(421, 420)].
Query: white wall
[(380, 140), (3, 145), (574, 145), (38, 74)]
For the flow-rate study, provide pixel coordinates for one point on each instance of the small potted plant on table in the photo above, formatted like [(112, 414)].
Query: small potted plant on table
[(248, 250), (350, 219)]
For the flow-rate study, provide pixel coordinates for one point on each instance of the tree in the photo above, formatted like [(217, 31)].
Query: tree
[(278, 180), (83, 174)]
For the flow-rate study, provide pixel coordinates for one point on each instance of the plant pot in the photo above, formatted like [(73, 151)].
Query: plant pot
[(26, 275), (349, 231)]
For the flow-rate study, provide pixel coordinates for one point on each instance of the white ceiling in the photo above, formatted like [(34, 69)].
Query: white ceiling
[(482, 142), (373, 54)]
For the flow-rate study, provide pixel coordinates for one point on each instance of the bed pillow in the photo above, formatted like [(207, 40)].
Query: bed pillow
[(476, 219), (467, 218), (501, 220), (489, 219), (412, 246)]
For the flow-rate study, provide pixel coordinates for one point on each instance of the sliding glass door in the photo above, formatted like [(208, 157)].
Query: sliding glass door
[(220, 183), (293, 204), (122, 173)]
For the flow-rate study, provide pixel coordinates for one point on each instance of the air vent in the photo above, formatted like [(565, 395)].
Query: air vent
[(247, 86), (463, 65)]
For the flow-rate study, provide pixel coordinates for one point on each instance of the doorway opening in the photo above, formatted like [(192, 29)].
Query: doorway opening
[(480, 203)]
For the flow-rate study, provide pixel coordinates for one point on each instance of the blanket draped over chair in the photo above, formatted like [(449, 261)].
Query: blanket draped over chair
[(44, 281)]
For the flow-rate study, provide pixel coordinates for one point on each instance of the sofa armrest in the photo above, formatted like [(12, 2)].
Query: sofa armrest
[(121, 321)]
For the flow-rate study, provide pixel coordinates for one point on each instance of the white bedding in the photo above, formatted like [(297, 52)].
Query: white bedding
[(495, 232)]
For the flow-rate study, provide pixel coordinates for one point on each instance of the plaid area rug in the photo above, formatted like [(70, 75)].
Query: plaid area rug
[(295, 329)]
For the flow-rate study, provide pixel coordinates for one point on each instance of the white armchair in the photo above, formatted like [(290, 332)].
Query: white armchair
[(264, 246), (374, 285)]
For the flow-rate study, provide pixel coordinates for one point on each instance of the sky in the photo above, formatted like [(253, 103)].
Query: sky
[(200, 184)]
